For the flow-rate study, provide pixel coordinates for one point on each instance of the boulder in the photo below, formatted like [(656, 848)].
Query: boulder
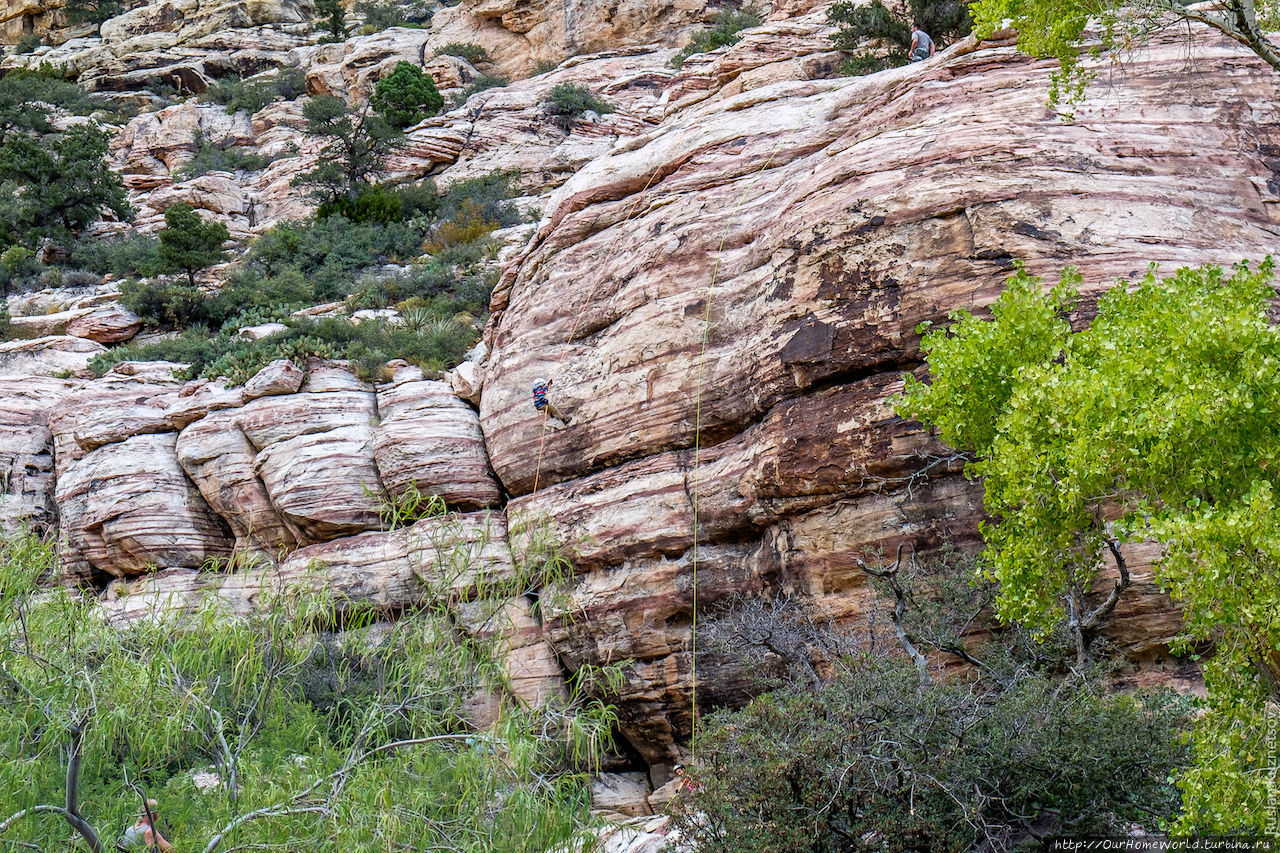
[(109, 324), (47, 356)]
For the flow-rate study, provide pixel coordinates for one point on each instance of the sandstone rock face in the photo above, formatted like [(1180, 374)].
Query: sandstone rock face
[(430, 440), (128, 507), (848, 211), (107, 325), (47, 356), (26, 451)]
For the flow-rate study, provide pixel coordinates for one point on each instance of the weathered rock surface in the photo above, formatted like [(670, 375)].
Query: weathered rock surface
[(127, 507), (849, 211), (109, 324), (47, 356), (429, 440), (26, 451)]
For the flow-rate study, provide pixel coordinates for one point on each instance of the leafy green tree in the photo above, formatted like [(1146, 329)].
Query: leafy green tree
[(406, 96), (313, 722), (1159, 422), (63, 182), (1054, 29), (334, 18), (188, 243), (357, 143)]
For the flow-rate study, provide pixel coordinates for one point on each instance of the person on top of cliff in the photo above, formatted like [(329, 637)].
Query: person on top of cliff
[(542, 387), (922, 47)]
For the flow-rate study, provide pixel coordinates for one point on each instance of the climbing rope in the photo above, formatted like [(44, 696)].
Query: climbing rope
[(697, 432), (546, 410)]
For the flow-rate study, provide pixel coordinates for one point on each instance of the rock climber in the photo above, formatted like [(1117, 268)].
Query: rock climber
[(541, 387), (144, 834), (687, 785), (922, 47)]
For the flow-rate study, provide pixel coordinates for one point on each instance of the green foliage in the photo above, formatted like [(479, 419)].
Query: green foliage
[(357, 144), (480, 84), (369, 345), (56, 183), (725, 31), (379, 16), (213, 158), (332, 16), (131, 255), (188, 243), (1053, 29), (567, 101), (91, 11), (251, 95), (28, 43), (473, 53), (406, 96), (878, 761), (1163, 415), (944, 21), (320, 740)]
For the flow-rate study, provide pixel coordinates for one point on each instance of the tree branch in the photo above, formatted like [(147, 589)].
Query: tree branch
[(890, 574)]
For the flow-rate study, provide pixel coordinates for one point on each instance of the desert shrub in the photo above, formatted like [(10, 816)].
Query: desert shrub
[(213, 158), (45, 84), (374, 718), (80, 278), (567, 101), (406, 96), (252, 94), (480, 84), (376, 204), (876, 760), (725, 31), (488, 195), (28, 43), (91, 11), (189, 243), (132, 255), (473, 53), (544, 66), (379, 16), (369, 345)]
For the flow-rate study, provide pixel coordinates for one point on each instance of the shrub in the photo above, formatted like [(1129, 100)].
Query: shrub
[(212, 158), (28, 43), (91, 11), (473, 53), (188, 243), (357, 144), (132, 255), (567, 101), (480, 84), (379, 16), (876, 760), (45, 84), (725, 31), (376, 204), (253, 94), (406, 96), (332, 16)]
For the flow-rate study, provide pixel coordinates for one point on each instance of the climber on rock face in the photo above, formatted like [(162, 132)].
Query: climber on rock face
[(922, 47), (541, 387)]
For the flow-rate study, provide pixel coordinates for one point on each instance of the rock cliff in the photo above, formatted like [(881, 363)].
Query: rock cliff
[(724, 288)]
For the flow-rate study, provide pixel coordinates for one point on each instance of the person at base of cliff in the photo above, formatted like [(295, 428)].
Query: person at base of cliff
[(542, 387), (687, 785), (922, 47), (144, 835)]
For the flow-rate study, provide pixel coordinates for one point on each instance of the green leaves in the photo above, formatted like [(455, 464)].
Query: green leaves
[(406, 96), (1161, 421)]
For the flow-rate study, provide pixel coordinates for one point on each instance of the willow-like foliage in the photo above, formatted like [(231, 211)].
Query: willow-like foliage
[(312, 723)]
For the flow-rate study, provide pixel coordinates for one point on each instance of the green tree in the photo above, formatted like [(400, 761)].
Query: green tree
[(334, 17), (91, 11), (858, 23), (1054, 29), (314, 722), (406, 96), (357, 143), (188, 243), (1159, 422), (62, 181)]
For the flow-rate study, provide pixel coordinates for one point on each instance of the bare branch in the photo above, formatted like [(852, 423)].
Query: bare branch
[(890, 574)]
